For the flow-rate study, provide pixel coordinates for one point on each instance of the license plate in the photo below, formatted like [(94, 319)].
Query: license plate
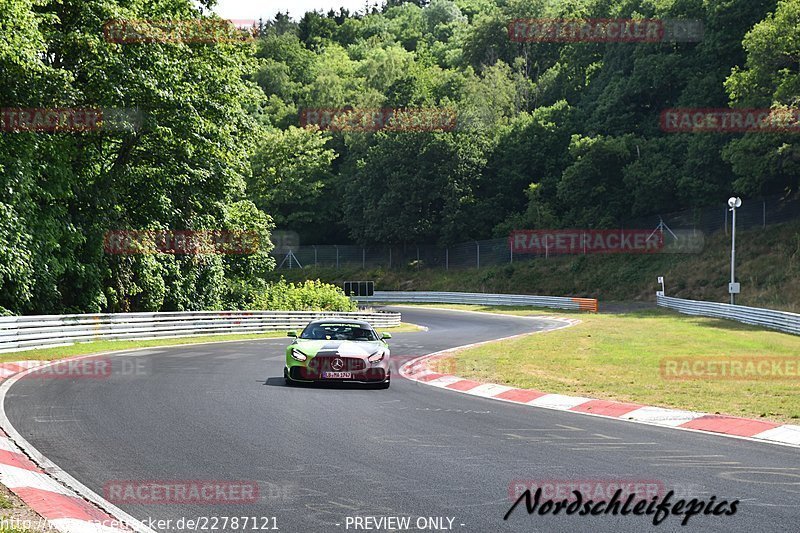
[(337, 375)]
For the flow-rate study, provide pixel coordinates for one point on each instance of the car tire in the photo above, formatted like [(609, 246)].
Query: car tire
[(289, 382)]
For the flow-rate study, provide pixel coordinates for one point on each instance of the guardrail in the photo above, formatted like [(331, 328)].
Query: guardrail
[(768, 318), (25, 332), (555, 302)]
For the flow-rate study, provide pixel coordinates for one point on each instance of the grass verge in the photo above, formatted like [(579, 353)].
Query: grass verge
[(618, 357)]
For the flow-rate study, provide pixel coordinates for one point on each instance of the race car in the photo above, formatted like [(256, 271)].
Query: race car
[(338, 350)]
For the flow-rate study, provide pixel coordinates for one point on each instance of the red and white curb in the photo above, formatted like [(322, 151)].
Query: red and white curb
[(66, 504), (744, 428)]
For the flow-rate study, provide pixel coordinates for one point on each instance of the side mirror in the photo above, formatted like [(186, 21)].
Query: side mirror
[(291, 333), (385, 335)]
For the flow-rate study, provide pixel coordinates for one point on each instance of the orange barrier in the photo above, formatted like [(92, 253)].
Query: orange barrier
[(586, 304)]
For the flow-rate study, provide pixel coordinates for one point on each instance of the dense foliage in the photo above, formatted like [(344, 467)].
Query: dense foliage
[(548, 134), (183, 168), (302, 296)]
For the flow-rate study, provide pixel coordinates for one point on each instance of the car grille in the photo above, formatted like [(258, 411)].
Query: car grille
[(323, 364)]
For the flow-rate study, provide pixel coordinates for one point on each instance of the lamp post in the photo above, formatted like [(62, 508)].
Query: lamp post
[(733, 288)]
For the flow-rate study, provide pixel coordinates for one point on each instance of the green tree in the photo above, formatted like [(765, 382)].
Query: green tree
[(766, 163), (592, 191), (291, 176), (415, 187), (181, 168)]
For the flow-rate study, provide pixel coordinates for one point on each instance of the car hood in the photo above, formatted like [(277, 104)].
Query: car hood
[(341, 348)]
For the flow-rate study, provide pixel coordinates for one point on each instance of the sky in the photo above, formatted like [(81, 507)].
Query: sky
[(266, 9)]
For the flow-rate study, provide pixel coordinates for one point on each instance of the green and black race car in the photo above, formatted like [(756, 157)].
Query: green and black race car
[(338, 350)]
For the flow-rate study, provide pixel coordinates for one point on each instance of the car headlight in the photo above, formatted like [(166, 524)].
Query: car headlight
[(297, 355), (377, 357)]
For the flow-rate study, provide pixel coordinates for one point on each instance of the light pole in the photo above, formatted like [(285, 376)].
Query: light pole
[(733, 288)]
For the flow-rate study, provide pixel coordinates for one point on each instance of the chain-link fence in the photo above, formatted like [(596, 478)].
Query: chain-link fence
[(463, 255), (754, 213), (681, 232)]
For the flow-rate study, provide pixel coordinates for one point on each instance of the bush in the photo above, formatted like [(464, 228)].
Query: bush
[(306, 296)]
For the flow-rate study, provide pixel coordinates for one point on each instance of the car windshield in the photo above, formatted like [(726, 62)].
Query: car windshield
[(339, 332)]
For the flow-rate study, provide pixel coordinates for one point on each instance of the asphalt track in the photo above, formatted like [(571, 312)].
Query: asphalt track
[(320, 455)]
